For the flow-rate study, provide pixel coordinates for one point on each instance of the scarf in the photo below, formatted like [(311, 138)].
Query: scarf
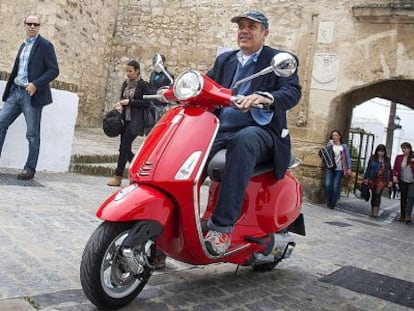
[(129, 93)]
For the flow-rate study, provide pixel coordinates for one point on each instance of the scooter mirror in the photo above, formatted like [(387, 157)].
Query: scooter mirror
[(284, 64), (157, 62)]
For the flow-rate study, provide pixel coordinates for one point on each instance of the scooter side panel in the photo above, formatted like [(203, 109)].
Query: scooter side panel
[(136, 202), (275, 212), (185, 131)]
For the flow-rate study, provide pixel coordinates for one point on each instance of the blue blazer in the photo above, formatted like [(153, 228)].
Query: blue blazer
[(286, 93), (373, 167), (42, 69)]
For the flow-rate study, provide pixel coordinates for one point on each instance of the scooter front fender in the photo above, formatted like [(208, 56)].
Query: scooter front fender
[(136, 202)]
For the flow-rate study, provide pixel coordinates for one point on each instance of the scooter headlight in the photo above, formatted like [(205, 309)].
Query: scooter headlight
[(189, 84)]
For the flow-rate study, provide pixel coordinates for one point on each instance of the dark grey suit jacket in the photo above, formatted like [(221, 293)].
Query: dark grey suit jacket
[(286, 93)]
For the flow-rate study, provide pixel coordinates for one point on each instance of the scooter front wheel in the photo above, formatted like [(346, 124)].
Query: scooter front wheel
[(105, 273)]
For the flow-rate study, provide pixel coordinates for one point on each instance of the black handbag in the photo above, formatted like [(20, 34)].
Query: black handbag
[(112, 123), (365, 192), (149, 117)]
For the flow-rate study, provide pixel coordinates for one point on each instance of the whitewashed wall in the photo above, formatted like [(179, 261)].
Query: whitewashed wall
[(57, 131)]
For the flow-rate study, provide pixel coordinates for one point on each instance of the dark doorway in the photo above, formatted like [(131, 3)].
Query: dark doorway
[(361, 146)]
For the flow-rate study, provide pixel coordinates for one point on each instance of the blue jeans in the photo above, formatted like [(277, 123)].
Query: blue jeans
[(333, 185), (245, 148), (17, 103)]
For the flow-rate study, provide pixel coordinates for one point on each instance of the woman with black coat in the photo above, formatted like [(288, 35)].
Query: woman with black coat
[(132, 105)]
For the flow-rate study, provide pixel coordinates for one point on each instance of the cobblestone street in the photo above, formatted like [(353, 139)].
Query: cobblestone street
[(45, 223)]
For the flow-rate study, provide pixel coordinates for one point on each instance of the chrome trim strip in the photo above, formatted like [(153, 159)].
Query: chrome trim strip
[(196, 199)]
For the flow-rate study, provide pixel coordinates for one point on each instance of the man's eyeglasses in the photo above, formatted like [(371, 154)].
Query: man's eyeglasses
[(32, 24)]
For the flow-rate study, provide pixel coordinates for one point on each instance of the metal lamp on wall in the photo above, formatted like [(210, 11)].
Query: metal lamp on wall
[(397, 121)]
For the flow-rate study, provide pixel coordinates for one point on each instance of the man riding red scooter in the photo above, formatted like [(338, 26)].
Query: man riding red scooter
[(163, 207), (250, 135)]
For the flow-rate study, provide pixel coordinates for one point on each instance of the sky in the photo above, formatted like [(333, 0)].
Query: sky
[(378, 109)]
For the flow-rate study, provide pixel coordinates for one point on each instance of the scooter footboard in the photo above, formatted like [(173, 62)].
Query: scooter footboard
[(136, 202)]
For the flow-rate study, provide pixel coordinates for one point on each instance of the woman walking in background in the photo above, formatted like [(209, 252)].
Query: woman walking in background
[(404, 175), (342, 159), (132, 106), (378, 176)]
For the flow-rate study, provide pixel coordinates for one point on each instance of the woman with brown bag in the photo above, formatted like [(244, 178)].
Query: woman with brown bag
[(378, 176)]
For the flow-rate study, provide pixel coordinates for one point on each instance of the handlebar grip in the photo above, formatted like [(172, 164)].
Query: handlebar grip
[(151, 96)]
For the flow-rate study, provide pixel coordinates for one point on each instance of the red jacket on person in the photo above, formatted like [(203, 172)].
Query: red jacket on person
[(396, 171)]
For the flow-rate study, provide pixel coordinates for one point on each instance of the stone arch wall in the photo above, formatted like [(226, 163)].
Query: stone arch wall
[(342, 46), (82, 34), (397, 90)]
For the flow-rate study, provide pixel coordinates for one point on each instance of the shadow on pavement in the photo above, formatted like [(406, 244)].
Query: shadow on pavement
[(389, 208)]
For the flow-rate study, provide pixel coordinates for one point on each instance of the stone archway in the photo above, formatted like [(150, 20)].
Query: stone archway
[(397, 90)]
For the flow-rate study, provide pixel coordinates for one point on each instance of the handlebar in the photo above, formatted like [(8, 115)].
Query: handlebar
[(152, 96), (233, 100)]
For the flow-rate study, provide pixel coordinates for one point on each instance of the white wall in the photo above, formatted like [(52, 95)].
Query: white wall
[(57, 131), (371, 125)]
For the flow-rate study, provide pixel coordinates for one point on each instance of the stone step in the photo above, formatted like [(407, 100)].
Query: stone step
[(94, 169), (103, 169), (94, 158), (94, 164)]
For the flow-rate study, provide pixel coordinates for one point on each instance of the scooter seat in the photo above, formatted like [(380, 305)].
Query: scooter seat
[(215, 169)]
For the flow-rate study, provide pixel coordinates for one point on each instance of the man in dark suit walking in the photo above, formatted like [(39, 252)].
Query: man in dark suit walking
[(28, 90), (250, 135)]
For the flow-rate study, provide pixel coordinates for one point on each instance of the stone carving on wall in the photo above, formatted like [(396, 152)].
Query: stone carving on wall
[(301, 119), (325, 71), (325, 32)]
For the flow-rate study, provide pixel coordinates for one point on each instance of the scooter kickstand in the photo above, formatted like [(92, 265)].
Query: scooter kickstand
[(237, 269)]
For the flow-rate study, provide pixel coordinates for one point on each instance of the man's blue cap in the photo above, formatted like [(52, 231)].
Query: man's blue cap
[(253, 15)]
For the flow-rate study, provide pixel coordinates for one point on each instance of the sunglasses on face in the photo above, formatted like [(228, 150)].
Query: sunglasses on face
[(33, 24)]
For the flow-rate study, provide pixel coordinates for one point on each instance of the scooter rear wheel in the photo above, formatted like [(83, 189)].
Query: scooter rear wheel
[(105, 276)]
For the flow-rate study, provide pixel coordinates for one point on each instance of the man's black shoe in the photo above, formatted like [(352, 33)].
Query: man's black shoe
[(26, 175)]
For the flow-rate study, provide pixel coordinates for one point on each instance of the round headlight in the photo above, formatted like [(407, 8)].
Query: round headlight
[(188, 85)]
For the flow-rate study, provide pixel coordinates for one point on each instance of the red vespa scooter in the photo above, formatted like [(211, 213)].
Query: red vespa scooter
[(162, 204)]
